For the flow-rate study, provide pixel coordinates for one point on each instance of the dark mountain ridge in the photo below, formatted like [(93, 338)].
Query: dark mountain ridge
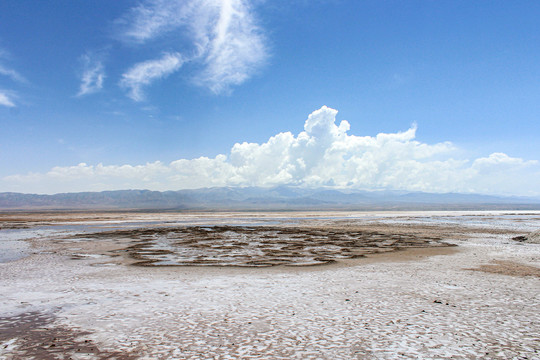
[(255, 198)]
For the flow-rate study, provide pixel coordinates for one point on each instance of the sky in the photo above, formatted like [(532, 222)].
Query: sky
[(435, 96)]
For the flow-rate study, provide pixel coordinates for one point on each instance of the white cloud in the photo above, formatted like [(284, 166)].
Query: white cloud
[(14, 75), (5, 99), (92, 76), (496, 160), (146, 72), (222, 36), (324, 154), (232, 48), (153, 18)]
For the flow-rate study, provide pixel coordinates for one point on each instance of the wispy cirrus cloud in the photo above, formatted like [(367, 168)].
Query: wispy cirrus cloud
[(8, 71), (323, 155), (220, 36), (146, 72), (232, 49), (93, 75), (7, 96), (153, 18), (14, 75), (6, 99)]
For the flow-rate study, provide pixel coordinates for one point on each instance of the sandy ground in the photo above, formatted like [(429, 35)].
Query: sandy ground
[(78, 297)]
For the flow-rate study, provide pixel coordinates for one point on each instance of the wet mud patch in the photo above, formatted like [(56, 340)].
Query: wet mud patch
[(257, 246), (34, 335)]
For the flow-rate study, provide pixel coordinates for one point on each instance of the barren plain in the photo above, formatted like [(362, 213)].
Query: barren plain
[(281, 285)]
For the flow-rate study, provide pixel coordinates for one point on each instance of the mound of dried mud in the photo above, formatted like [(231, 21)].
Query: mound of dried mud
[(532, 238)]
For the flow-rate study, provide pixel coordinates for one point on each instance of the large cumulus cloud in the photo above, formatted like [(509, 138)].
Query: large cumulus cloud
[(323, 155)]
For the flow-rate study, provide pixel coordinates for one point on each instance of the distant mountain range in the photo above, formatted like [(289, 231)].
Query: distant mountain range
[(256, 198)]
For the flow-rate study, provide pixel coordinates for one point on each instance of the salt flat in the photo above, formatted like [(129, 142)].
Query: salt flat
[(77, 290)]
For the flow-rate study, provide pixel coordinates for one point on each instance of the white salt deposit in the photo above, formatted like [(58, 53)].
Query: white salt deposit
[(427, 308)]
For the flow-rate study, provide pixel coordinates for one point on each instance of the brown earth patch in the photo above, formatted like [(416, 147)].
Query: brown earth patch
[(509, 268)]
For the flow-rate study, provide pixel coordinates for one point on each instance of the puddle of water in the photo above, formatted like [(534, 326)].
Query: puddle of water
[(13, 250)]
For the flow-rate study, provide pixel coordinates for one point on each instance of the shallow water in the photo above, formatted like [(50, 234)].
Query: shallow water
[(521, 222), (12, 249)]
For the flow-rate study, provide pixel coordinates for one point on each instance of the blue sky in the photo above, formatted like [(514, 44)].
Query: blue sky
[(99, 95)]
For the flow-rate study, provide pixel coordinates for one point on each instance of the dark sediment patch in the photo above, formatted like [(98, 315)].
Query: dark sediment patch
[(34, 335)]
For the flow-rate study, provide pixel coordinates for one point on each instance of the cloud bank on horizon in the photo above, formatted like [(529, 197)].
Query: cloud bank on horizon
[(323, 155)]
